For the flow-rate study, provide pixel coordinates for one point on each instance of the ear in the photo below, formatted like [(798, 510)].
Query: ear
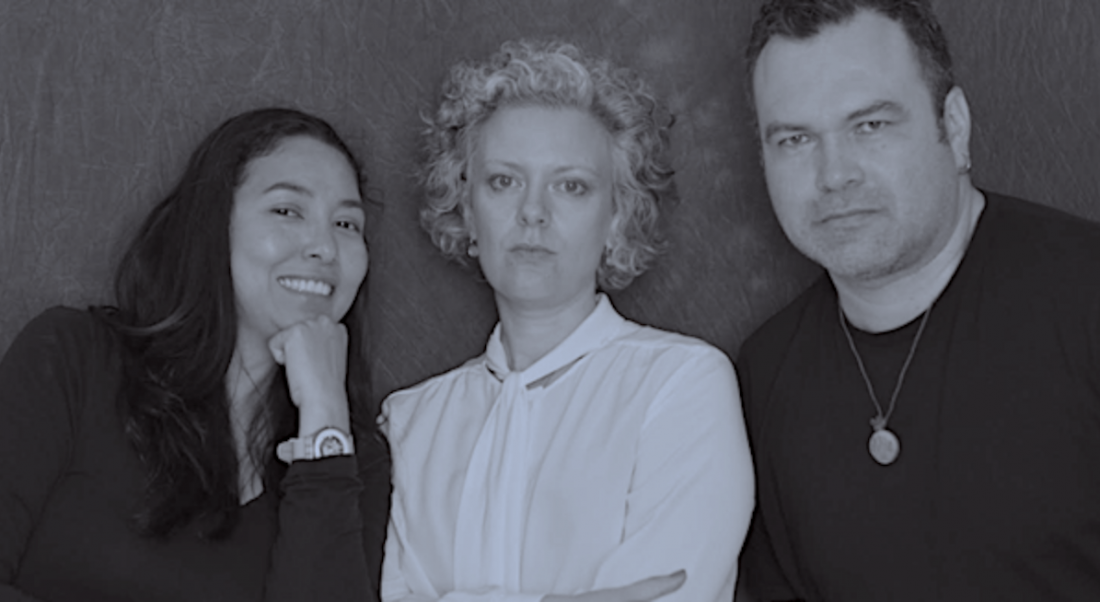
[(614, 227), (956, 126), (468, 217)]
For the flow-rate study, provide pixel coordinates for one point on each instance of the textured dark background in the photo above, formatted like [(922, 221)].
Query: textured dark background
[(100, 103)]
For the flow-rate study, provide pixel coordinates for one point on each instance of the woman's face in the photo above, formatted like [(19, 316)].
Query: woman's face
[(540, 205), (296, 237)]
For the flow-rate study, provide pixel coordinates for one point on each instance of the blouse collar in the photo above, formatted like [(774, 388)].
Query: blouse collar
[(600, 327)]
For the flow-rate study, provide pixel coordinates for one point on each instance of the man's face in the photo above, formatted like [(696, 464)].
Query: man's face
[(860, 176)]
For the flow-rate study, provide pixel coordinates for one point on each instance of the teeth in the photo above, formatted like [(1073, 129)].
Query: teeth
[(301, 285)]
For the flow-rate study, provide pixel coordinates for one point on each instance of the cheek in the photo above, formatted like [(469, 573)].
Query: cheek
[(262, 244), (781, 173), (357, 262), (249, 252), (490, 228), (250, 284), (785, 189), (605, 228), (255, 253), (591, 233)]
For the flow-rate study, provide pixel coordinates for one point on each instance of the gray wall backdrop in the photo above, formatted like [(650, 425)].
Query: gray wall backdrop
[(101, 102)]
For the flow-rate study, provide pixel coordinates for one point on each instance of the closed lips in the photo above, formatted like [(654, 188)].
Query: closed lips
[(531, 249), (303, 285), (846, 214)]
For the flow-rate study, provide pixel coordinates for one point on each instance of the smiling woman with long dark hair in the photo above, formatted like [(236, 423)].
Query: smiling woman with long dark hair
[(138, 441)]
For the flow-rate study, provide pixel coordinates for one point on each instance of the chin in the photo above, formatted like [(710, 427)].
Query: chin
[(531, 295), (859, 264), (866, 269)]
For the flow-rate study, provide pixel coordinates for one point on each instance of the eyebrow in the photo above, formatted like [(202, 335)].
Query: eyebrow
[(288, 186), (882, 105), (557, 170), (302, 190)]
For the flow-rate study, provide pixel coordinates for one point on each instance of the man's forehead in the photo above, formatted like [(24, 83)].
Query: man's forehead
[(867, 55), (866, 36)]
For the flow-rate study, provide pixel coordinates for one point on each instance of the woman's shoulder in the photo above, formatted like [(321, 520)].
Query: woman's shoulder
[(679, 373), (670, 344), (434, 390), (60, 356), (672, 358), (64, 343), (63, 328)]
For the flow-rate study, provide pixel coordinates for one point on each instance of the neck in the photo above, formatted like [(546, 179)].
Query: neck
[(530, 332), (897, 299), (247, 379), (249, 372)]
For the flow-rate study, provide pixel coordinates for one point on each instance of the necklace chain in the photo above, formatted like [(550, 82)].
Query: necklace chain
[(879, 421)]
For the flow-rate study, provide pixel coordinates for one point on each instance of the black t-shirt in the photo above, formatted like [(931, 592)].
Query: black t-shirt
[(996, 491)]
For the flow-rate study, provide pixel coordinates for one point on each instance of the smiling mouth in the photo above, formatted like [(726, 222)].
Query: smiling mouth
[(306, 286)]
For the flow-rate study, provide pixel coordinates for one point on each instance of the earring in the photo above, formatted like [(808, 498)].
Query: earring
[(966, 169), (472, 249)]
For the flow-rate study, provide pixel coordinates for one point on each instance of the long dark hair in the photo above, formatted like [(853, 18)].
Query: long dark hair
[(176, 316)]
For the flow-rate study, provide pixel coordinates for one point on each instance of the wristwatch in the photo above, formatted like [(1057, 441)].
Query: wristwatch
[(329, 441)]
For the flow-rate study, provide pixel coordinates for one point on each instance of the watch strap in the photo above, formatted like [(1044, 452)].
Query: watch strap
[(329, 441)]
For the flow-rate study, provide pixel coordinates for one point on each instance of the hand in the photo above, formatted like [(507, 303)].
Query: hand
[(315, 353), (639, 591)]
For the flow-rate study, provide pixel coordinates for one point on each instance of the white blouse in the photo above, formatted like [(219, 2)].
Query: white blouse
[(620, 455)]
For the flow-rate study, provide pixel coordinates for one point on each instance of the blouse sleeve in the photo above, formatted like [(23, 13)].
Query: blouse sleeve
[(39, 387), (394, 580), (691, 497)]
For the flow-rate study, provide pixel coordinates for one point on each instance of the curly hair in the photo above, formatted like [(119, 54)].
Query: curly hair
[(553, 74)]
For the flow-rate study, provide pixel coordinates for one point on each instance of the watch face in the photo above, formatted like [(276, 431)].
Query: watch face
[(331, 446)]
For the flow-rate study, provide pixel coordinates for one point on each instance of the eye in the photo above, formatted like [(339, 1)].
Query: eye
[(793, 141), (499, 182), (286, 212), (574, 187), (348, 224), (870, 127)]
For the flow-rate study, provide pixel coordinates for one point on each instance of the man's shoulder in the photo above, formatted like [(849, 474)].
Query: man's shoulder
[(763, 354), (1034, 249), (1018, 221), (776, 332)]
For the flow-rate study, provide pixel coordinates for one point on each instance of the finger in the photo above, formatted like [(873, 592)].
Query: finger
[(320, 320), (277, 345)]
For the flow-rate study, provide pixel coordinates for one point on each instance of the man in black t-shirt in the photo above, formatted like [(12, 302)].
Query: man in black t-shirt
[(925, 418)]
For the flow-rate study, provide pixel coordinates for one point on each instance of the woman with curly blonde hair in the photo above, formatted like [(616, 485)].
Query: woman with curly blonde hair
[(582, 456)]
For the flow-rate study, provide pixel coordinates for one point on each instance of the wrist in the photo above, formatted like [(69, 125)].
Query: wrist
[(326, 442), (313, 418)]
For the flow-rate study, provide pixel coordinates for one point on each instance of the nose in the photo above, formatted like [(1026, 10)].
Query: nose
[(320, 243), (533, 209), (837, 164)]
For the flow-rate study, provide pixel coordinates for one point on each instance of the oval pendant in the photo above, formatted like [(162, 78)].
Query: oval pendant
[(884, 446)]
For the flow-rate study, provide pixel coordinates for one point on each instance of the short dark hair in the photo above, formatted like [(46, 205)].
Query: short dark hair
[(802, 19), (176, 316)]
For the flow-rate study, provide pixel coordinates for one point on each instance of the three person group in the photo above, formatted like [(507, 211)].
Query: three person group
[(922, 423)]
